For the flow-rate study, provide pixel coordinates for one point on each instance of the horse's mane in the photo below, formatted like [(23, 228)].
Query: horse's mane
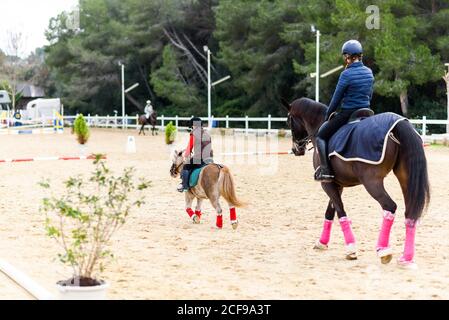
[(308, 109)]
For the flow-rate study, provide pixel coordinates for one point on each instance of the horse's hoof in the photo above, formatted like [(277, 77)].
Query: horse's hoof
[(234, 224), (351, 252), (196, 219), (385, 255), (320, 246), (407, 265)]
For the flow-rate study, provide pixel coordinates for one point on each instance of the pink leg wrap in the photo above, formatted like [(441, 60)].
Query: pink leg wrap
[(384, 236), (220, 221), (326, 235), (198, 213), (345, 224), (233, 215), (409, 248)]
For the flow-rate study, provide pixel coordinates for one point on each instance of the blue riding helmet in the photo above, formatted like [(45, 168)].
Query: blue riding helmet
[(352, 47)]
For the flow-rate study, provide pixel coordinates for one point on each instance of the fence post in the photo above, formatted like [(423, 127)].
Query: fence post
[(126, 121), (211, 122), (227, 122), (246, 125), (269, 123), (177, 121), (162, 123), (424, 127), (137, 121), (89, 121), (107, 121), (96, 121)]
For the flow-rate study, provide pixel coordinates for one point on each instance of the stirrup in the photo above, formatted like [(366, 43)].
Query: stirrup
[(181, 188), (319, 176)]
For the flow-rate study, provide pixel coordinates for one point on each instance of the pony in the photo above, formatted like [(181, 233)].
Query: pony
[(404, 154), (152, 121), (214, 181)]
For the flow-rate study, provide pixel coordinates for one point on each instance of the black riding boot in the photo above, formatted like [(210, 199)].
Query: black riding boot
[(185, 175), (325, 173)]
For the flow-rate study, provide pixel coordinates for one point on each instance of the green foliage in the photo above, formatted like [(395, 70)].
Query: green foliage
[(265, 45), (169, 82), (88, 214), (170, 133), (81, 129)]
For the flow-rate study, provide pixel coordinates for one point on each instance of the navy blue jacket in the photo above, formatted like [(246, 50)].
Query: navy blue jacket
[(354, 88)]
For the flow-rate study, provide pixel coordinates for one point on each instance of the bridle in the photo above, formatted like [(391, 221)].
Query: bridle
[(176, 170), (302, 144)]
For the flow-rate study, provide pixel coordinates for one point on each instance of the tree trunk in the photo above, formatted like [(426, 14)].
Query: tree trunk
[(404, 102), (434, 6)]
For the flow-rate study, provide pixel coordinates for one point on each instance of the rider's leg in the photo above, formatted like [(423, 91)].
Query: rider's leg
[(185, 175), (327, 130)]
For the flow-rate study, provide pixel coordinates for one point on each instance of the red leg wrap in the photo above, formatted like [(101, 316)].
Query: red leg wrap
[(190, 212), (233, 215), (220, 222)]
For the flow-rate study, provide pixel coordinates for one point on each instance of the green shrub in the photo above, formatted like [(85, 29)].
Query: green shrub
[(282, 133), (81, 130), (84, 218), (170, 133)]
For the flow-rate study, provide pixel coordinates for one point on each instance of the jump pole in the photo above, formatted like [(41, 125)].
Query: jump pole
[(50, 159), (255, 153), (25, 282)]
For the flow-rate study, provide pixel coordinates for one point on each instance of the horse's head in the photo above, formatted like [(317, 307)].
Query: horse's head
[(177, 163), (300, 137)]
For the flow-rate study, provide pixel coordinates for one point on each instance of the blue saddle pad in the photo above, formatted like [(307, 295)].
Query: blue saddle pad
[(194, 176), (364, 140)]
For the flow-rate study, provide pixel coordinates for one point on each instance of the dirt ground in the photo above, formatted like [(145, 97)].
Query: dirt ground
[(160, 254)]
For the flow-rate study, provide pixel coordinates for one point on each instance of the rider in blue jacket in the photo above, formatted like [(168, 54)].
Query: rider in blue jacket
[(354, 91)]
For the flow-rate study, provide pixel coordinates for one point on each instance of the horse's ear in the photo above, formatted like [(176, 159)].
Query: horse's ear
[(286, 105)]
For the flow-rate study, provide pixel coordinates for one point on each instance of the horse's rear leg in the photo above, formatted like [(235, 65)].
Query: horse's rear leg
[(322, 243), (334, 193), (406, 260), (233, 217), (375, 188), (214, 200)]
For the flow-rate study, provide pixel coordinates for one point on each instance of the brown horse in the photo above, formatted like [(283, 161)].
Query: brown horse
[(143, 120), (404, 154), (214, 181)]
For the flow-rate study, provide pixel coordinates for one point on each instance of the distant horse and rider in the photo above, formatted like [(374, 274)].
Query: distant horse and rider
[(355, 147), (149, 118)]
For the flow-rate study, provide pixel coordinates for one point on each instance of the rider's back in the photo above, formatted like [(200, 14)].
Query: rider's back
[(358, 81)]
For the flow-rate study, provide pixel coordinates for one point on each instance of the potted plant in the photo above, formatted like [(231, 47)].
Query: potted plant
[(170, 133), (81, 129), (282, 133), (82, 221)]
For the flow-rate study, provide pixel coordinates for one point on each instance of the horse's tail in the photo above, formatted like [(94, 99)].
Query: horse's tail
[(417, 196), (227, 188)]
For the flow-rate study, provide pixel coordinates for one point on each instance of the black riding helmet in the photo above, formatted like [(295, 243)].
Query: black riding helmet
[(195, 120)]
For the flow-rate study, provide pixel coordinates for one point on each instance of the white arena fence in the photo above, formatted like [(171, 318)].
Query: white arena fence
[(131, 122)]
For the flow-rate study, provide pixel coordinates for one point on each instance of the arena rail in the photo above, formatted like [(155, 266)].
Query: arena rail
[(131, 122)]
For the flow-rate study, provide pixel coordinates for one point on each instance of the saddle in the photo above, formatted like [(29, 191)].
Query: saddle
[(361, 114), (357, 115), (195, 174)]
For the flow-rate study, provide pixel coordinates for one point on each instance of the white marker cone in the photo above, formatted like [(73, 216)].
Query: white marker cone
[(131, 145)]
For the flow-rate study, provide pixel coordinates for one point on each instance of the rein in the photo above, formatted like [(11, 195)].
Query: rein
[(177, 168)]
